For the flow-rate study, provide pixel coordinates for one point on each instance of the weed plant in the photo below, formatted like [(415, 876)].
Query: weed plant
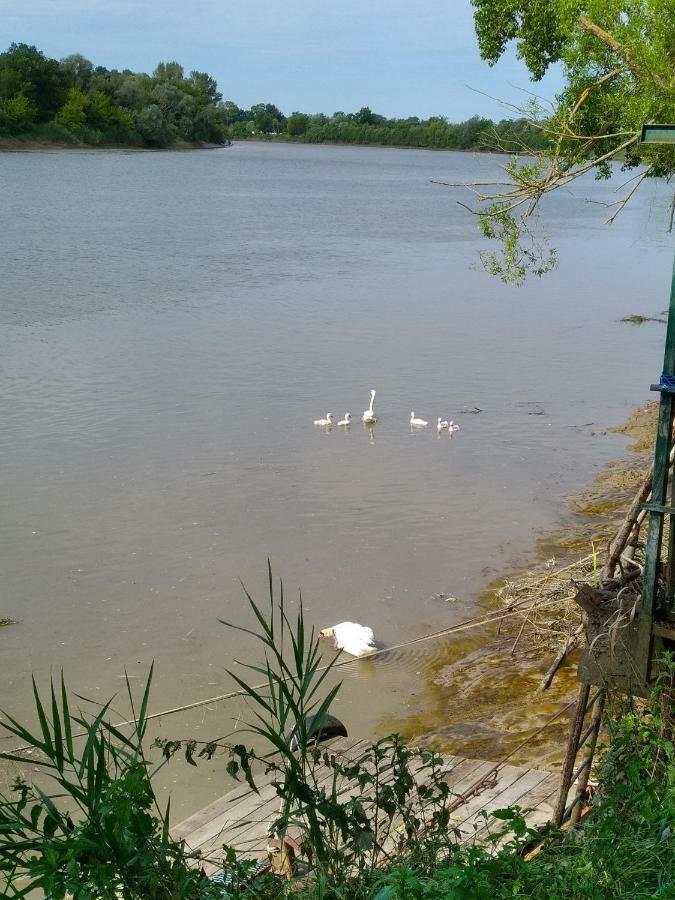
[(97, 833)]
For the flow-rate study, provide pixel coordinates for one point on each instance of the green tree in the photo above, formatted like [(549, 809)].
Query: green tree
[(73, 113), (26, 70), (153, 127), (267, 118), (78, 70), (231, 112), (365, 116), (131, 91), (171, 71), (205, 87), (618, 60), (17, 114), (296, 124)]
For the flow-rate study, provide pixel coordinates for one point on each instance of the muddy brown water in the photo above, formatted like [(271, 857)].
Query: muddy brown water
[(171, 325)]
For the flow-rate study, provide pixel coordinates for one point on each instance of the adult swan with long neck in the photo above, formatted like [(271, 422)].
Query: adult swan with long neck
[(369, 416), (355, 639)]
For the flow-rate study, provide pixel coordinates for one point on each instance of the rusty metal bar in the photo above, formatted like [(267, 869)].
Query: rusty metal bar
[(585, 736), (571, 753), (593, 699)]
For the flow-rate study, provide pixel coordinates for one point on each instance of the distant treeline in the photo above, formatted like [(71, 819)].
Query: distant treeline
[(72, 101), (366, 127)]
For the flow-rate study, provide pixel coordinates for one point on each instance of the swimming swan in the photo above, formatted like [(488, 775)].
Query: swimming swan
[(441, 424), (452, 427), (327, 421), (369, 415), (347, 420), (414, 421), (355, 639)]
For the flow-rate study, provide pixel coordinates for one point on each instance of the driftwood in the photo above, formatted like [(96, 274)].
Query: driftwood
[(627, 533), (570, 644)]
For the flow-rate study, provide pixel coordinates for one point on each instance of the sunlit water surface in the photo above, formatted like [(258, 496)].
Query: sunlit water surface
[(170, 326)]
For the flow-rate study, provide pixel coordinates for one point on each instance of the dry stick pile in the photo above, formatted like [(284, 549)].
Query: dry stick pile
[(551, 621), (553, 618)]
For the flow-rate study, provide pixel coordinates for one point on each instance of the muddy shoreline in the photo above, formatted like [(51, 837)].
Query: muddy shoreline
[(485, 692), (11, 145)]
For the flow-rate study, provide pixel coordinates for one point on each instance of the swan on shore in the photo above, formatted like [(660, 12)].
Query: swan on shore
[(414, 421), (347, 420), (355, 639), (327, 421), (369, 416), (441, 424)]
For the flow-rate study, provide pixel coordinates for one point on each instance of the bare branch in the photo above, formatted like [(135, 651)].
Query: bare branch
[(586, 91), (630, 193), (621, 51)]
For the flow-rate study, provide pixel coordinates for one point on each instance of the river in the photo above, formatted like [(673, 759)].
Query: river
[(171, 324)]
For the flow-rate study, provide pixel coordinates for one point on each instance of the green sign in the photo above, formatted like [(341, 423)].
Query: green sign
[(657, 134)]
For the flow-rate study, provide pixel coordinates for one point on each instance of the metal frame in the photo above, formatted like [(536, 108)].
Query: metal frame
[(657, 134), (658, 508)]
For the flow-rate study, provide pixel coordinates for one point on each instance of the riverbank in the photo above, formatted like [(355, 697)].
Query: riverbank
[(288, 139), (487, 690), (32, 145)]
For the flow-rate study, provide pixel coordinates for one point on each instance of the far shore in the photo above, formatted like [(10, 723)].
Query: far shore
[(16, 145)]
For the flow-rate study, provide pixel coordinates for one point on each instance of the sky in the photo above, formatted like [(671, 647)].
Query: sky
[(399, 58)]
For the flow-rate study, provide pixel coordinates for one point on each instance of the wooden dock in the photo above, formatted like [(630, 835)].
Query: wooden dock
[(242, 817)]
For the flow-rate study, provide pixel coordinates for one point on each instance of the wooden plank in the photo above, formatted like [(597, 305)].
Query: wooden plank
[(514, 794), (241, 803), (241, 818), (248, 832), (505, 777), (469, 774), (252, 814)]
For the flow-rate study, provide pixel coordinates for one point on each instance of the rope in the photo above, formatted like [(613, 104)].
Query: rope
[(474, 622)]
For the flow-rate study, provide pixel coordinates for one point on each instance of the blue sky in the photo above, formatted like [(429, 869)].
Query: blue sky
[(397, 57)]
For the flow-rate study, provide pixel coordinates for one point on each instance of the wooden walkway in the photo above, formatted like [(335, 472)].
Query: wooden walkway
[(241, 818)]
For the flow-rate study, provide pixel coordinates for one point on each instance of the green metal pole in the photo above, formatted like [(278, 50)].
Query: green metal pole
[(657, 508)]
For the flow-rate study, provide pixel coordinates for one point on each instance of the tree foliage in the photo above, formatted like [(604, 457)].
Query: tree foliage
[(618, 64), (74, 100)]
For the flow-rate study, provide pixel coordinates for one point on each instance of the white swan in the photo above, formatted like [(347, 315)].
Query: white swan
[(441, 424), (369, 416), (452, 427), (347, 419), (327, 421), (414, 421), (355, 639)]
